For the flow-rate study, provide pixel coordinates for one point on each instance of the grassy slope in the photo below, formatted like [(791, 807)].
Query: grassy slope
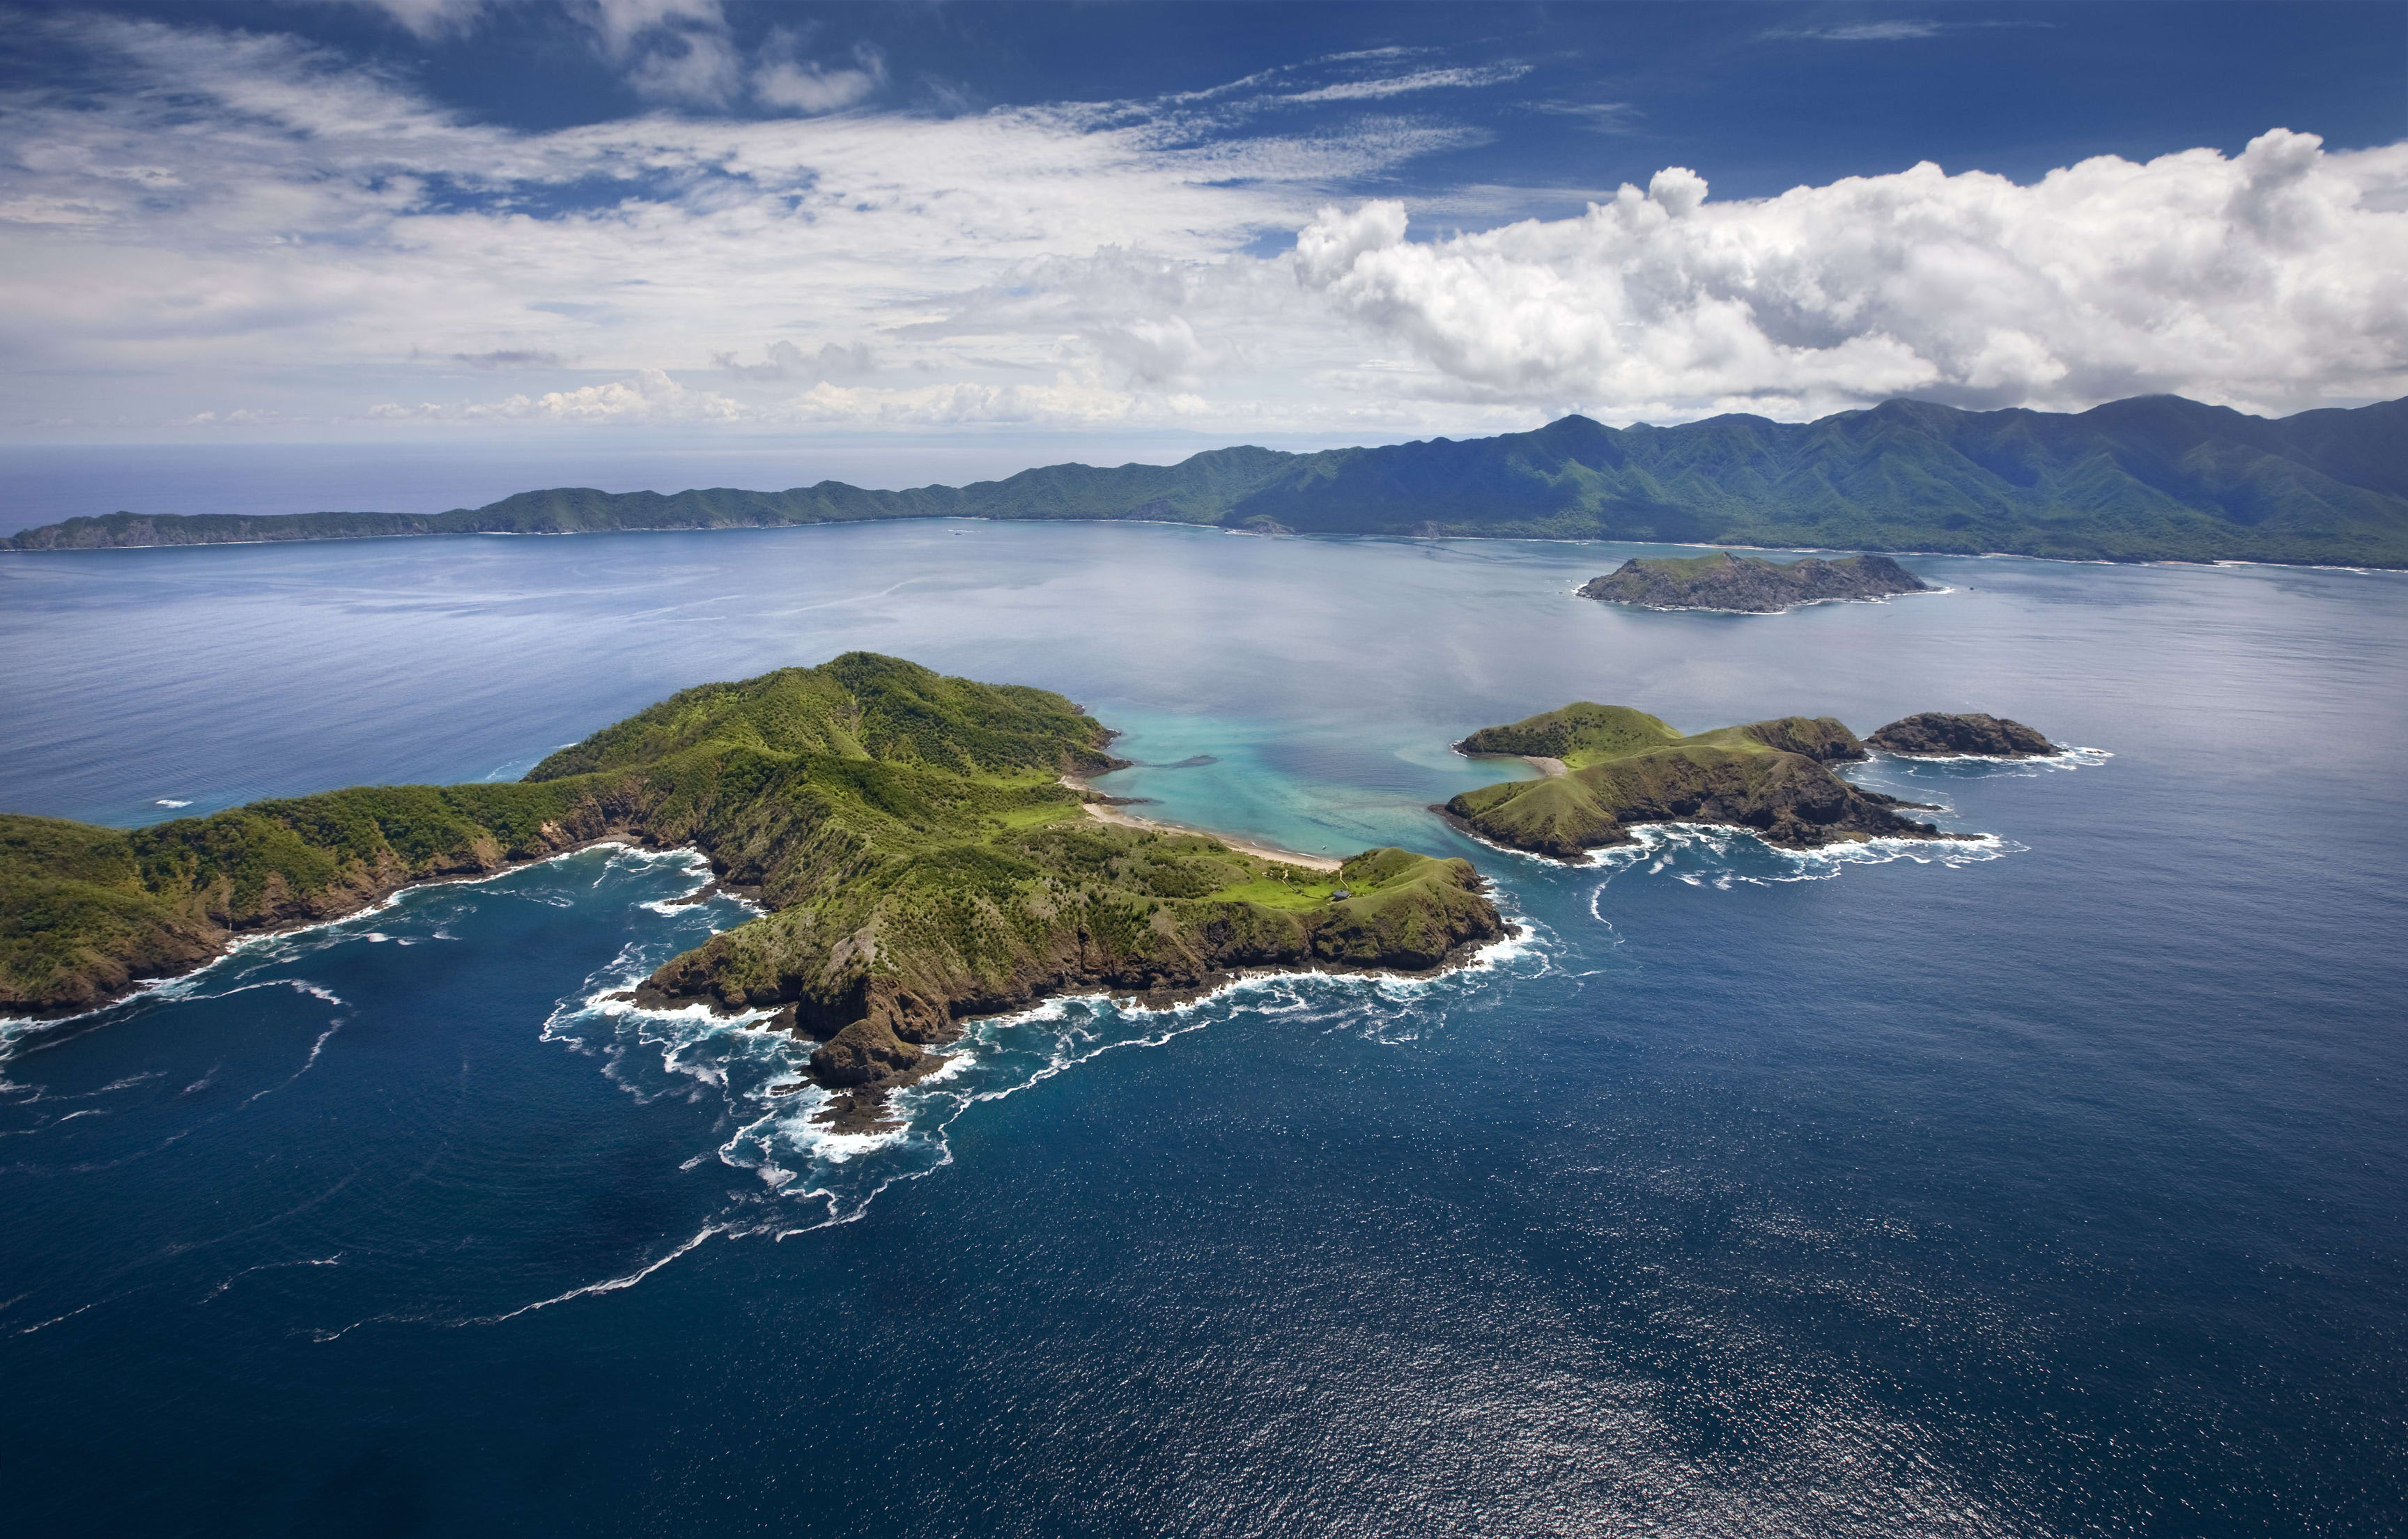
[(1628, 767), (908, 831), (2155, 477)]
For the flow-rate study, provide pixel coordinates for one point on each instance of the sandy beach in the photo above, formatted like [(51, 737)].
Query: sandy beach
[(1103, 812)]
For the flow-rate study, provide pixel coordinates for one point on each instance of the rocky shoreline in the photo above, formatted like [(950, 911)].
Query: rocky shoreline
[(866, 1108), (369, 890), (1625, 770)]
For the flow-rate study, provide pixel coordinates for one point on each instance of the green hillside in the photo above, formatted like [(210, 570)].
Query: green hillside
[(2151, 478), (1625, 768), (909, 833)]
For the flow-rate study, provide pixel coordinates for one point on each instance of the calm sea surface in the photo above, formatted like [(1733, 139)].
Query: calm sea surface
[(2055, 1188)]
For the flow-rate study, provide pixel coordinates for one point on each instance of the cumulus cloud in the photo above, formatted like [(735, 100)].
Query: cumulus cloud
[(244, 222), (801, 85), (2268, 276)]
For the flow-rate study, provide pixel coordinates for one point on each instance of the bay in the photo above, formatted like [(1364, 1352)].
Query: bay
[(2055, 1190)]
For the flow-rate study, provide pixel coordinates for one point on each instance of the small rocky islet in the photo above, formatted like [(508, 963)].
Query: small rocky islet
[(1607, 769), (911, 835), (1750, 584), (1936, 735)]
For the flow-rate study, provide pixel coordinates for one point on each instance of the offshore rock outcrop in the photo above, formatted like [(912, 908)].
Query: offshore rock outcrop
[(1749, 584), (1936, 735), (1625, 768)]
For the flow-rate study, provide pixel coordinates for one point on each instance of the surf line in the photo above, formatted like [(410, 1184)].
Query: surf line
[(13, 1026)]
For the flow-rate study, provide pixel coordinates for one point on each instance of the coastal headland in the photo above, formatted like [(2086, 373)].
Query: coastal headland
[(911, 835), (1621, 768)]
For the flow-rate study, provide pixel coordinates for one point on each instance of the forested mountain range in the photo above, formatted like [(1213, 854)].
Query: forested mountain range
[(2156, 477)]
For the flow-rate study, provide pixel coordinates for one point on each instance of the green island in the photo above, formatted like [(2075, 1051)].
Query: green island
[(1605, 769), (921, 851), (1749, 584), (2155, 477)]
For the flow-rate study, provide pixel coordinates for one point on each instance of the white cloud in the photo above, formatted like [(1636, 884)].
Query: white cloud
[(312, 229), (785, 361), (1903, 30), (2268, 278), (671, 50), (428, 19), (1064, 403), (1864, 32), (245, 223), (804, 86), (1399, 85), (647, 397)]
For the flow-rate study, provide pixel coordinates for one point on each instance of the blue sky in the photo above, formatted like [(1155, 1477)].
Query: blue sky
[(502, 222)]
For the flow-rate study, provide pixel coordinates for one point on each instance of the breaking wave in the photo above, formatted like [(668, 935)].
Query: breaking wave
[(806, 1175)]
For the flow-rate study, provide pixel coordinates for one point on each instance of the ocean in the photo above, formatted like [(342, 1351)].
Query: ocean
[(2049, 1185)]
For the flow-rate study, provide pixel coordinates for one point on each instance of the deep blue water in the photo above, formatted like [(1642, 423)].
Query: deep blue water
[(2052, 1190)]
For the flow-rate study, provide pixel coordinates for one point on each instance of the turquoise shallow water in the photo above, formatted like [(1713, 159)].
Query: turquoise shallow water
[(2050, 1190)]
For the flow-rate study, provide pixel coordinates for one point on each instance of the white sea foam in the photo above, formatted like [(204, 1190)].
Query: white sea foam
[(1710, 855), (797, 1160), (335, 1260), (54, 1319), (306, 1064), (607, 1285), (2067, 756), (277, 946)]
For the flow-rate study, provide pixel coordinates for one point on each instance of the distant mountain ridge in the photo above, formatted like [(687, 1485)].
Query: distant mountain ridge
[(2156, 477)]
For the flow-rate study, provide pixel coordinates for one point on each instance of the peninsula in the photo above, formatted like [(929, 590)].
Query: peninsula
[(2156, 477), (910, 835), (1749, 584), (1607, 769)]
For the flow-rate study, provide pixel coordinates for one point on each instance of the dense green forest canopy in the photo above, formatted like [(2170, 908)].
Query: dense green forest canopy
[(2151, 478)]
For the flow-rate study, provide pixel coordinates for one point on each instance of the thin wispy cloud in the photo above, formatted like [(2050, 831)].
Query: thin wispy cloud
[(511, 358), (1598, 117), (240, 227), (1421, 79), (1900, 29)]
